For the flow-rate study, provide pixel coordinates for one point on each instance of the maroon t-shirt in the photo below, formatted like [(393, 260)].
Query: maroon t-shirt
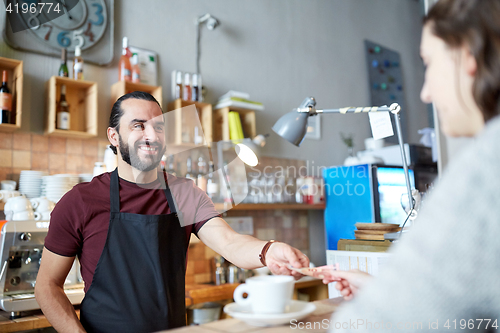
[(80, 220)]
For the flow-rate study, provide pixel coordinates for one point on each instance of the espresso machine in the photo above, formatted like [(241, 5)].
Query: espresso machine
[(20, 255)]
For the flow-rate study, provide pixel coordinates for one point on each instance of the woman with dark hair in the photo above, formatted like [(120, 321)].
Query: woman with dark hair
[(443, 275)]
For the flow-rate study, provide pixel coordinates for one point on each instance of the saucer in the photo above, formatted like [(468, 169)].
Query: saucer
[(297, 311)]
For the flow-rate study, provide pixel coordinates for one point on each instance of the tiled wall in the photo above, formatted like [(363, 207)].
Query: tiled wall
[(289, 226), (24, 151)]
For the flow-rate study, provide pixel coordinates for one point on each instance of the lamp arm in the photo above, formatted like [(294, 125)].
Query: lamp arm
[(349, 109), (403, 157), (394, 109)]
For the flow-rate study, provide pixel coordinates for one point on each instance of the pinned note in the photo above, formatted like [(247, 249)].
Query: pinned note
[(381, 125)]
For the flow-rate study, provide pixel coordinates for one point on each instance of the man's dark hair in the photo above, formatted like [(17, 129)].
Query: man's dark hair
[(117, 111)]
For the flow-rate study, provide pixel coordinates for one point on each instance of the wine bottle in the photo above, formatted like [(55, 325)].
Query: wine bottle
[(63, 69), (195, 90), (78, 64), (212, 183), (62, 116), (200, 88), (178, 85), (124, 67), (189, 173), (170, 168), (5, 100), (136, 71), (186, 95), (202, 170)]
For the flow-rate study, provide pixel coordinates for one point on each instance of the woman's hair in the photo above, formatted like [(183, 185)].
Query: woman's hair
[(476, 24), (117, 111)]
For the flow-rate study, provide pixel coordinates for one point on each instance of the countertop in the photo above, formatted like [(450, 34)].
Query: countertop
[(315, 322), (198, 293)]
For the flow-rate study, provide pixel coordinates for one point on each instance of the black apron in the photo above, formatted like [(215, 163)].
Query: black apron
[(139, 281)]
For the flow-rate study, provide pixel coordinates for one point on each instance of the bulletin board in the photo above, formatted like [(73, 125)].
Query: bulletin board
[(385, 78)]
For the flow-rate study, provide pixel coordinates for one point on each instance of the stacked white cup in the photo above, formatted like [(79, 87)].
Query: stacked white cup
[(8, 185), (8, 190), (43, 206), (20, 209)]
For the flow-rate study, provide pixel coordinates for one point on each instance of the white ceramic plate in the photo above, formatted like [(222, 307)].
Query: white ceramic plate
[(297, 310)]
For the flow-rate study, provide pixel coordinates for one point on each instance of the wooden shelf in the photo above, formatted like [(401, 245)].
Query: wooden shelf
[(220, 206), (121, 88), (82, 99), (15, 84), (184, 118), (221, 123), (72, 134)]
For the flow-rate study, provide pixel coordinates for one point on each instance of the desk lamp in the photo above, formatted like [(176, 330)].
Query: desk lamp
[(293, 126)]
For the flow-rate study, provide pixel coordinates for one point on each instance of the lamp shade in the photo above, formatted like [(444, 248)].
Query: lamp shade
[(292, 127)]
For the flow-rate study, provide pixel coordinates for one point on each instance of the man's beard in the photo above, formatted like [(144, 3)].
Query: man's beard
[(131, 157)]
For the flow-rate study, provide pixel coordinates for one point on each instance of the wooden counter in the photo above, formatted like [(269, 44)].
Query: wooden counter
[(32, 320), (195, 294), (200, 293), (315, 321)]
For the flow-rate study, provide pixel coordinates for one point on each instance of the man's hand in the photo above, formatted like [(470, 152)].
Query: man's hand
[(280, 255), (348, 282)]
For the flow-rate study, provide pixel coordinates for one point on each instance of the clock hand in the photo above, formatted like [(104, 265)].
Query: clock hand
[(65, 8)]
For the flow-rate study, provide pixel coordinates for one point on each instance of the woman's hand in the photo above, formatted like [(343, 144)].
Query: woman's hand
[(280, 255), (348, 282)]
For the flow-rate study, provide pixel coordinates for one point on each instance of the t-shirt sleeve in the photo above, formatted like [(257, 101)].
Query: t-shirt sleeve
[(64, 235), (205, 211)]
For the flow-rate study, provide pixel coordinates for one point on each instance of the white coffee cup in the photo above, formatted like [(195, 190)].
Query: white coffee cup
[(26, 215), (6, 194), (266, 294), (9, 185), (42, 204), (45, 216), (99, 168), (18, 204)]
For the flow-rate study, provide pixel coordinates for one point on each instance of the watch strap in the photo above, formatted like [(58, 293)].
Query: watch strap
[(262, 255)]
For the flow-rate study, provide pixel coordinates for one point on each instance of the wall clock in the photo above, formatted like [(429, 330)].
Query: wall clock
[(68, 23)]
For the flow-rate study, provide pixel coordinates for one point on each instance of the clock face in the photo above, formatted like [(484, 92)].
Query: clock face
[(83, 25), (68, 23)]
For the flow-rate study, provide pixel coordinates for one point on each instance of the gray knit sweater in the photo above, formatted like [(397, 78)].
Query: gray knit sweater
[(445, 273)]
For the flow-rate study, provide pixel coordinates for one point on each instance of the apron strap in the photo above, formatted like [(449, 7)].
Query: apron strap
[(114, 192), (168, 194)]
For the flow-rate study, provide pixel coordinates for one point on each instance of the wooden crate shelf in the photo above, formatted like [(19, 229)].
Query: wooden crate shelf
[(221, 123), (184, 117), (82, 99), (121, 88), (14, 69)]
